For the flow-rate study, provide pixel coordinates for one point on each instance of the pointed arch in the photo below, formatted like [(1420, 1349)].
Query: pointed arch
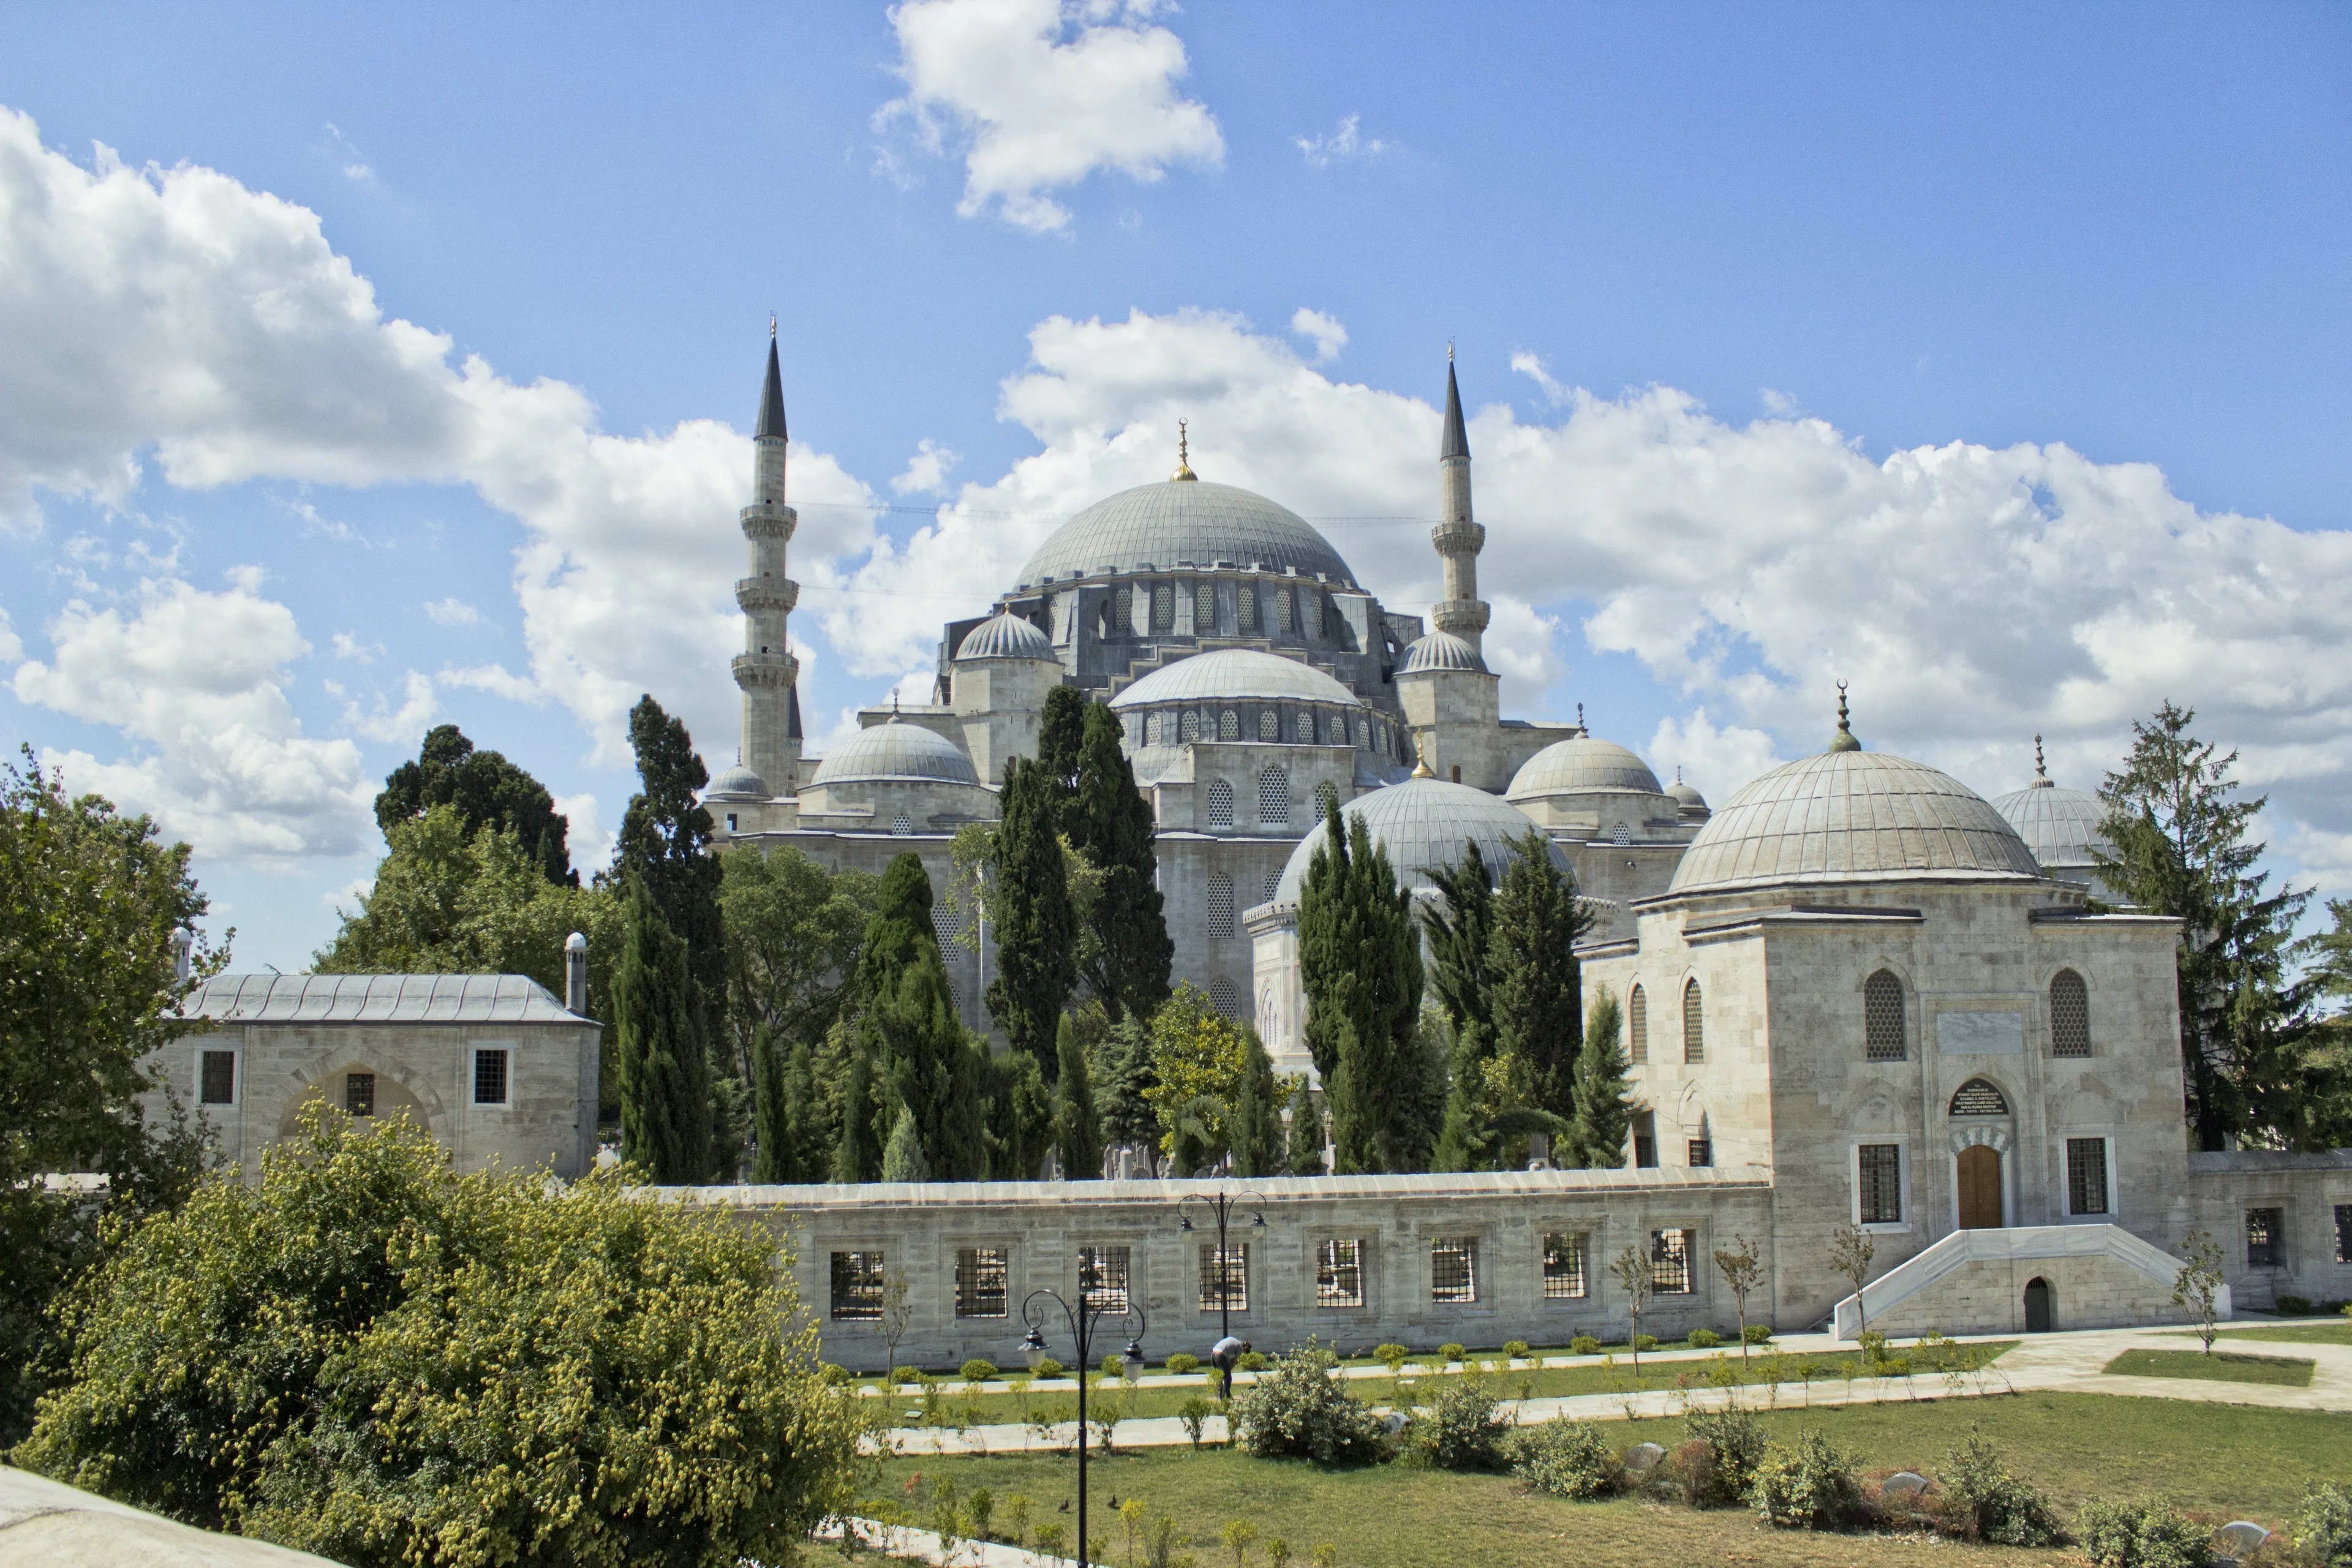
[(1694, 1022), (1882, 1019)]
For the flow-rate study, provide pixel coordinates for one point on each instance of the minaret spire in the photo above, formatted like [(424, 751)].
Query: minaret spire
[(1457, 536), (766, 670)]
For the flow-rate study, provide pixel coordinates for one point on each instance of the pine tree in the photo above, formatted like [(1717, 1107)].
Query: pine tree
[(1121, 1071), (857, 1154), (486, 790), (1604, 1112), (1082, 1148), (1305, 1135), (665, 1064), (1538, 1008), (1036, 932), (903, 1160), (1125, 962), (1255, 1127), (1359, 958)]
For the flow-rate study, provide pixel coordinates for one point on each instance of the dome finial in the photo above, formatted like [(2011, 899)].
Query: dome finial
[(1183, 455), (2042, 779), (894, 705), (1843, 740), (1580, 721), (1420, 769)]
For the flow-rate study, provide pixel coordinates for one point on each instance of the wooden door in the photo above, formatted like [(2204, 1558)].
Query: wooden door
[(1980, 1178)]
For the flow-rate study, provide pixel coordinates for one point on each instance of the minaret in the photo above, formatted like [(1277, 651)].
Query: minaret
[(1458, 539), (766, 670)]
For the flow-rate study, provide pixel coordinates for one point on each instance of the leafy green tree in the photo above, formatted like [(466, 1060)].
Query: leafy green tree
[(1081, 1135), (370, 1357), (486, 790), (666, 1101), (1125, 956), (2253, 1064), (907, 1029), (1199, 1058), (1461, 926), (1257, 1113), (1604, 1103), (902, 1159), (793, 933), (1539, 1005), (1036, 931), (665, 842), (89, 901), (1360, 960), (1120, 1067)]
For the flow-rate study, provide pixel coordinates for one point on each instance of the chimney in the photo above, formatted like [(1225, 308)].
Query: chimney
[(184, 941), (575, 973)]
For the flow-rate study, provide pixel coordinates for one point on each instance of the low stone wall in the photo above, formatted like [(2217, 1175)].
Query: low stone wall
[(1988, 1297)]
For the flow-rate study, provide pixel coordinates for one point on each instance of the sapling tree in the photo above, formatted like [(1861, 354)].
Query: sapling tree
[(897, 1311), (1850, 1255), (2199, 1288), (1740, 1266), (1634, 1276)]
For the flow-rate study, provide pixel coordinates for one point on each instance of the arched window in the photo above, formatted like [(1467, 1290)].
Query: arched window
[(1221, 908), (1307, 729), (1269, 725), (1163, 608), (1123, 610), (902, 825), (1622, 833), (1694, 1034), (1229, 725), (1881, 1019), (1274, 797), (1189, 727), (1245, 601), (1281, 621), (1205, 607), (1221, 803), (1637, 1027), (2070, 1015), (1364, 735)]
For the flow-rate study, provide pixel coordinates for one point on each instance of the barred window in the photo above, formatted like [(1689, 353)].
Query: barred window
[(1670, 1262), (490, 1077), (1340, 1273), (1163, 608), (1454, 1268), (1225, 998), (980, 1282), (1307, 729), (1274, 797), (1103, 1276), (1273, 886), (2070, 1015), (2266, 1238), (1882, 1019), (1701, 1154), (1694, 1034), (1224, 1277), (1188, 727), (1269, 725), (1563, 1267), (1878, 1175), (902, 826), (359, 1093), (219, 1078), (1221, 908), (1282, 620), (1229, 725), (857, 1287), (1205, 607), (1221, 803), (2086, 1176), (2344, 1232), (1245, 601), (1637, 1027)]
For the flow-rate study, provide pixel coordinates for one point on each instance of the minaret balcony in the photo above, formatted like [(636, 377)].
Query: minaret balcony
[(1463, 617), (765, 519), (766, 594), (1463, 538), (775, 671)]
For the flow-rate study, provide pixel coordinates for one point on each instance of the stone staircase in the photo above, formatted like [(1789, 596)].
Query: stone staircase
[(1948, 1261)]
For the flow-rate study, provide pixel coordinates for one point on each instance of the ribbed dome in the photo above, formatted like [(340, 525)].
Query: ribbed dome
[(2058, 824), (1582, 765), (1161, 526), (738, 781), (897, 750), (1684, 795), (1441, 650), (1424, 823), (1231, 674), (1007, 636), (1849, 816)]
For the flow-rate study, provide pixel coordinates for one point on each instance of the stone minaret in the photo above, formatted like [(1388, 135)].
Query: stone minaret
[(766, 670), (1458, 539)]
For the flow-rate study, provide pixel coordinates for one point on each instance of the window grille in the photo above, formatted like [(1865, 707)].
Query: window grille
[(1307, 729), (1282, 611), (1204, 608), (2070, 1015), (1269, 725), (1701, 1154), (902, 826), (1245, 602), (1221, 908), (955, 995), (219, 1075), (2266, 1238), (1225, 998), (1188, 727), (980, 1282), (1694, 1032), (359, 1093), (1364, 735), (1637, 1027), (1881, 1019), (1221, 803), (2086, 1176), (1163, 608), (1622, 834), (1878, 1173), (1274, 797), (1123, 611), (1318, 613), (1340, 1273), (1273, 886), (490, 1077), (857, 1287), (1563, 1267), (1454, 1268), (1103, 1276), (946, 922), (2344, 1232), (1645, 1141), (1670, 1262), (1229, 725), (1224, 1277)]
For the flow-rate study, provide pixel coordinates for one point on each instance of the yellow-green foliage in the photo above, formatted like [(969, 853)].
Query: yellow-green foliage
[(1195, 1052), (374, 1359)]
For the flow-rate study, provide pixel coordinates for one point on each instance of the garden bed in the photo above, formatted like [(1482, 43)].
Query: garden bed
[(2221, 1366)]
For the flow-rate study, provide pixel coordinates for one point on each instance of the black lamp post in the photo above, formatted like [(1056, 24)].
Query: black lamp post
[(1221, 1204), (1083, 1321)]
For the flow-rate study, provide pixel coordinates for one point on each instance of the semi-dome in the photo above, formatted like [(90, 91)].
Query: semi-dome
[(1423, 822), (1007, 636), (2059, 826), (1852, 816), (1235, 674), (1158, 527), (1441, 650), (1582, 765), (737, 782), (897, 750)]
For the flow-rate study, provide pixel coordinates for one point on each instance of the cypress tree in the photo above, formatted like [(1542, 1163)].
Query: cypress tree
[(1061, 732), (1538, 1003), (857, 1155), (804, 1117), (658, 1027), (1604, 1109), (1360, 960), (1036, 931), (903, 1160), (665, 842), (1021, 1116), (1255, 1129), (1461, 925), (907, 1025), (1462, 1142), (1305, 1135), (1082, 1148), (775, 1157), (1126, 963), (1120, 1072)]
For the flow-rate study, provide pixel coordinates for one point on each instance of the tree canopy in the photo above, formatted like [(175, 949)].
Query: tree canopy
[(487, 791), (1359, 965)]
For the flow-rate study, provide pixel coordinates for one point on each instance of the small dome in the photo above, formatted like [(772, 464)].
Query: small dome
[(1158, 527), (897, 750), (1582, 765), (1423, 823), (1852, 816), (1231, 674), (1007, 636), (1441, 650), (1689, 805), (737, 782), (2060, 826)]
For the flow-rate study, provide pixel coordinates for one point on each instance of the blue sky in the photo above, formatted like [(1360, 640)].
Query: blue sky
[(1991, 357)]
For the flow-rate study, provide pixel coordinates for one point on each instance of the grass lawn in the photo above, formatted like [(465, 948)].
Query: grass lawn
[(2221, 1366), (2232, 1461), (2297, 1334)]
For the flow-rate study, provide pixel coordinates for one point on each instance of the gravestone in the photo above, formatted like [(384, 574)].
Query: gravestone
[(1643, 1457), (2239, 1538), (1903, 1486)]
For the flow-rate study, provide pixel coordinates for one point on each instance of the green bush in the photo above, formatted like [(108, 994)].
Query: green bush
[(1645, 1341), (2323, 1527), (906, 1377), (1734, 1443), (832, 1376), (2295, 1305), (1757, 1334), (1703, 1339), (1458, 1430), (1806, 1484), (1584, 1344), (1252, 1361), (1049, 1367), (1390, 1356), (978, 1371), (1565, 1458), (1192, 1413), (1451, 1352), (1516, 1349), (1299, 1410), (2147, 1533), (1995, 1505), (1183, 1363)]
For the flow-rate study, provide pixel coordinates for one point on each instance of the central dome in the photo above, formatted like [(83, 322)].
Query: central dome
[(897, 750), (1158, 527), (1424, 823)]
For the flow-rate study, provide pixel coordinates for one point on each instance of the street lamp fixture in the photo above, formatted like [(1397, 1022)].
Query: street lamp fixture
[(1220, 1206), (1083, 1319)]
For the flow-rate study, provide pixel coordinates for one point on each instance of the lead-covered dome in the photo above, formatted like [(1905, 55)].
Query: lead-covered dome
[(897, 750), (1235, 674), (737, 782), (1441, 650), (2059, 826), (1007, 636), (1852, 816), (1424, 822), (1158, 527), (1582, 765)]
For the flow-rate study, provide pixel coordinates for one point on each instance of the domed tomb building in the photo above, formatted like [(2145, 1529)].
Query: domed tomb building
[(2061, 825)]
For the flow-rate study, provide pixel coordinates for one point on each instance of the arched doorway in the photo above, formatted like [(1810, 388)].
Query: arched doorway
[(1979, 1187), (2039, 1318)]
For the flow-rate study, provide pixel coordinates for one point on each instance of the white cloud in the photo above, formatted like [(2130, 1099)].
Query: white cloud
[(927, 470), (1522, 646), (452, 612), (1324, 332), (1037, 95), (1716, 760), (351, 648), (590, 840), (12, 647), (1346, 141), (200, 678), (405, 723), (1780, 404), (495, 680), (1532, 366)]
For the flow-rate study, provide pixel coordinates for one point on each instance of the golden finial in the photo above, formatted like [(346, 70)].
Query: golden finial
[(1843, 740), (1183, 455), (772, 325), (1420, 760)]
